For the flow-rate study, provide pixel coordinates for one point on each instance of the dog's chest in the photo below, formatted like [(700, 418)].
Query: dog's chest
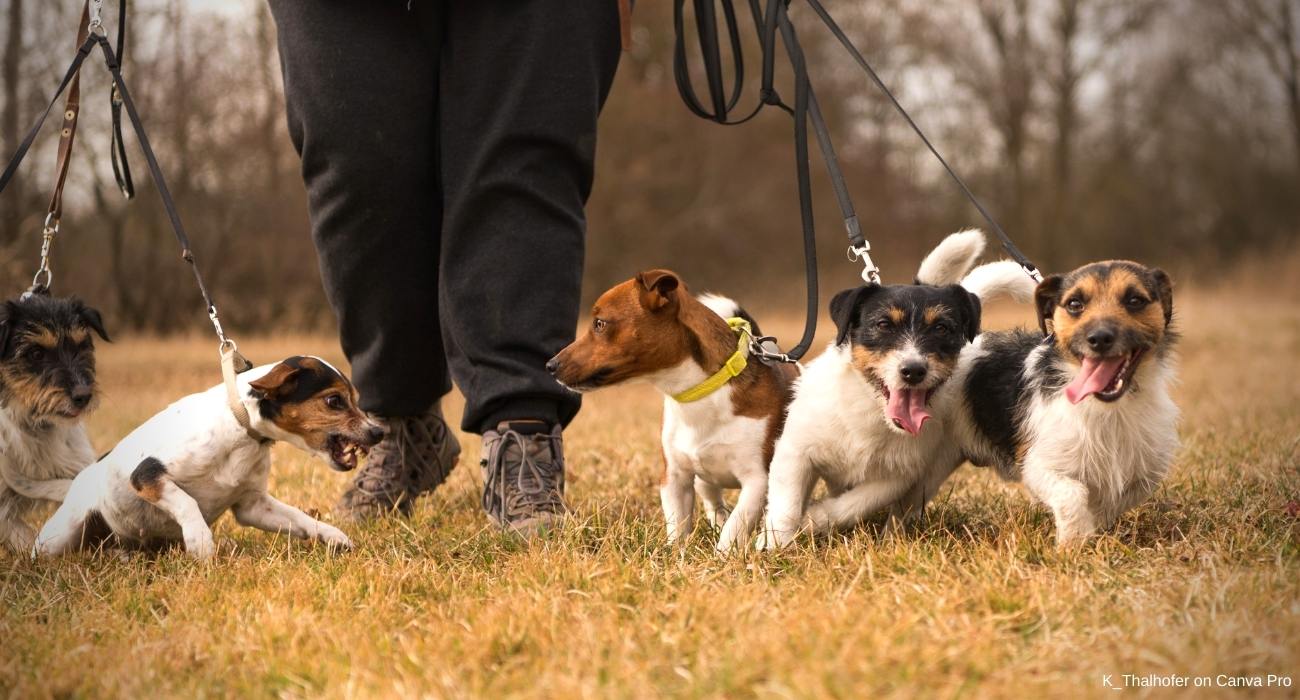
[(56, 452), (719, 445)]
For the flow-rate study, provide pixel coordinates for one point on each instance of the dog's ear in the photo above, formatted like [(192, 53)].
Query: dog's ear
[(844, 309), (279, 381), (971, 310), (1165, 288), (91, 318), (8, 317), (658, 288), (1046, 298)]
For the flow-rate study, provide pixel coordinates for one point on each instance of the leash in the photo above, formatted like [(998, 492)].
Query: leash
[(806, 109), (730, 369), (232, 362)]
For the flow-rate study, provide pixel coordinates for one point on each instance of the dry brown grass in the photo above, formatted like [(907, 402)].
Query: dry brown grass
[(1201, 580)]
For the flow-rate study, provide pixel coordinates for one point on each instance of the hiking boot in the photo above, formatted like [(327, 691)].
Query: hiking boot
[(523, 476), (414, 458)]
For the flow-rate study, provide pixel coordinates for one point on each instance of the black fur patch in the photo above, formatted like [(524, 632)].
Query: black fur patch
[(863, 316), (311, 379), (94, 530), (996, 387), (148, 474)]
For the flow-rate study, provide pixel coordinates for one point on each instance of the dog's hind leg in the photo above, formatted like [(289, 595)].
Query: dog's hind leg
[(152, 483), (715, 508), (264, 512)]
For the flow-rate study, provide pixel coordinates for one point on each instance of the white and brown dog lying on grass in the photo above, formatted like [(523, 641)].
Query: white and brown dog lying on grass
[(723, 410), (1083, 418), (47, 385), (172, 477), (871, 415)]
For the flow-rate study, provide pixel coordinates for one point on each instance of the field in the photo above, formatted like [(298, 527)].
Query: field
[(1203, 580)]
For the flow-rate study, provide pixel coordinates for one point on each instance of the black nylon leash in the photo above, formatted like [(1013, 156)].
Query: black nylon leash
[(117, 147), (805, 110)]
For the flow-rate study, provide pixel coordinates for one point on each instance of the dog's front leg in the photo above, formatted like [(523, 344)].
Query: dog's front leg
[(855, 504), (1068, 500), (715, 508), (677, 494), (746, 514), (151, 482), (788, 487), (262, 511)]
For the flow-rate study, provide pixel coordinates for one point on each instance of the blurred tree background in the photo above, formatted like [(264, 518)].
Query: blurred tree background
[(1162, 130)]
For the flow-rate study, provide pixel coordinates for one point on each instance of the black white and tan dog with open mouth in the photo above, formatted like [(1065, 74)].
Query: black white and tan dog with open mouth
[(870, 414), (180, 471), (47, 386), (1082, 418)]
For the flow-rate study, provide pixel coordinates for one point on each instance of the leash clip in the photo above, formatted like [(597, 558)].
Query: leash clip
[(757, 350), (96, 25), (870, 273)]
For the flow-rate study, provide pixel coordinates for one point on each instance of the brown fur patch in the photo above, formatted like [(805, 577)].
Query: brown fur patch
[(896, 314), (43, 337), (864, 360), (934, 313)]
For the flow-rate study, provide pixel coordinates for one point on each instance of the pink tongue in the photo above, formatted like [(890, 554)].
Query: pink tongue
[(907, 409), (1094, 375)]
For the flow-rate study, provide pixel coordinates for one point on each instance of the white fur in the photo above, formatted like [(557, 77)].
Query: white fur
[(837, 431), (950, 260), (212, 465), (1001, 278), (707, 448), (37, 462)]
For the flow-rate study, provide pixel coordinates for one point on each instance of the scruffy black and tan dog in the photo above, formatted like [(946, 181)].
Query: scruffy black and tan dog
[(47, 383), (1082, 418)]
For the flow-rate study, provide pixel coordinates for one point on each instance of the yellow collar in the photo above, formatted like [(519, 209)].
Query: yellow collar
[(732, 368)]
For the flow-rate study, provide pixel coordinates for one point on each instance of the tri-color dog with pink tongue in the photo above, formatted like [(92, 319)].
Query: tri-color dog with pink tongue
[(1083, 417)]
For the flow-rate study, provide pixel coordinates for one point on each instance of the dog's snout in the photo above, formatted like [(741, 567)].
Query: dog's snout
[(1101, 339), (913, 371), (376, 433), (81, 395), (553, 364)]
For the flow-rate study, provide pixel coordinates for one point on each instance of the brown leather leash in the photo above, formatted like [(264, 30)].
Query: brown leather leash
[(232, 362)]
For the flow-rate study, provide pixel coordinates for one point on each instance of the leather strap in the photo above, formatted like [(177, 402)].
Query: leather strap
[(68, 132), (625, 23), (117, 149)]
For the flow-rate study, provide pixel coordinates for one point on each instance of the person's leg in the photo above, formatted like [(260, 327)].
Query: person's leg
[(522, 84), (361, 92)]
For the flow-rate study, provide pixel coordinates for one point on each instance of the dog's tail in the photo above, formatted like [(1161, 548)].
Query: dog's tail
[(730, 308), (951, 259), (1001, 278)]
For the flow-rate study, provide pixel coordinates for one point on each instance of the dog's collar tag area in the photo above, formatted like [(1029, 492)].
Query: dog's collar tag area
[(734, 365)]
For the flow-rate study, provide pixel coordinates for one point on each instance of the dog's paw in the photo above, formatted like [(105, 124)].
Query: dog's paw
[(334, 538), (199, 545)]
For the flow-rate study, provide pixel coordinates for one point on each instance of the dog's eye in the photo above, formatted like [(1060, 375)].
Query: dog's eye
[(335, 402), (599, 325), (1135, 302), (1074, 306), (884, 324), (35, 354), (941, 329)]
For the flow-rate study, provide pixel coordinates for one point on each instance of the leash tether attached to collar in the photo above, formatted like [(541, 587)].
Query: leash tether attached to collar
[(232, 364), (734, 365)]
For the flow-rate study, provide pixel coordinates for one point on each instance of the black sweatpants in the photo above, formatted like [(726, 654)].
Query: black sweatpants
[(448, 150)]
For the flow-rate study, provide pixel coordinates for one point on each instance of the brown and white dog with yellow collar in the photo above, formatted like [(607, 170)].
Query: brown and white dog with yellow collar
[(723, 409), (1083, 417)]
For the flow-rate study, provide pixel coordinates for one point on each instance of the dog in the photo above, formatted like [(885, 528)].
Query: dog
[(180, 471), (1083, 417), (716, 435), (870, 416), (47, 384)]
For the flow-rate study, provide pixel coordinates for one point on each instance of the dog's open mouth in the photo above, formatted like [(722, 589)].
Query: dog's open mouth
[(906, 407), (345, 452), (1107, 378)]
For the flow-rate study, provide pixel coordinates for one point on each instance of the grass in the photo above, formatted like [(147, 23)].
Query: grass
[(1201, 580)]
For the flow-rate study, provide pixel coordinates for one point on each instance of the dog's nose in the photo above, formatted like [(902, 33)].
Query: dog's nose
[(553, 365), (377, 433), (1101, 339), (913, 372), (81, 396)]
